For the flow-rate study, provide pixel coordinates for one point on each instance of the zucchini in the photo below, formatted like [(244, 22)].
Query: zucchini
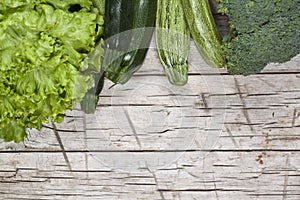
[(204, 31), (91, 98), (128, 35), (117, 19), (172, 40), (89, 102)]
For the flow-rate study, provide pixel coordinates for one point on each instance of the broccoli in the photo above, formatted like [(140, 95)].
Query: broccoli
[(261, 31)]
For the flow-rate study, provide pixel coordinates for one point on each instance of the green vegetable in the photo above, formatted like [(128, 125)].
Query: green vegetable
[(91, 98), (261, 32), (172, 40), (128, 31), (43, 45), (204, 31)]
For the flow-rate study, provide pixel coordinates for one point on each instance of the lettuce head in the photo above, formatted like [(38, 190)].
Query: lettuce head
[(45, 67)]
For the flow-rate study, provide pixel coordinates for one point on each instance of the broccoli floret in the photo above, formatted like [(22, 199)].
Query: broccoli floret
[(262, 32)]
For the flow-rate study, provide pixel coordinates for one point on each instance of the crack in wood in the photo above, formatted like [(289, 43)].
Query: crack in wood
[(173, 95), (140, 184), (61, 146), (198, 144), (267, 83), (61, 130), (122, 105), (156, 183), (286, 178), (281, 127), (245, 112), (294, 117), (262, 94), (286, 138), (14, 175), (160, 132), (198, 116), (85, 145), (253, 124), (215, 187), (81, 171), (51, 151), (207, 190), (232, 138), (224, 165), (132, 128), (204, 100)]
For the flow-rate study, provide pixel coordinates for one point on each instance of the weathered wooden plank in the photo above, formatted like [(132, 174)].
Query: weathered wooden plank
[(254, 111), (138, 175)]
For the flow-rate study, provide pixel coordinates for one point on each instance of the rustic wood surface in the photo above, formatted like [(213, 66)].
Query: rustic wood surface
[(219, 137)]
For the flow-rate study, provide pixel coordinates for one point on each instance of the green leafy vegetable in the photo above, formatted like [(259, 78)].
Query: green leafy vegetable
[(43, 46), (261, 32)]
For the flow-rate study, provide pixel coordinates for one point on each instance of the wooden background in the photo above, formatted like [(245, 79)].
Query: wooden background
[(219, 137)]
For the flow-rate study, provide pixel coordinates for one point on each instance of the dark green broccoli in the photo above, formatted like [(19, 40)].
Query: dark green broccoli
[(261, 31)]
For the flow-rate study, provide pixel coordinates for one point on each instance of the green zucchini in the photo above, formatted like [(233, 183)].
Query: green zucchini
[(172, 40), (118, 18), (89, 103), (128, 35), (204, 31), (91, 98)]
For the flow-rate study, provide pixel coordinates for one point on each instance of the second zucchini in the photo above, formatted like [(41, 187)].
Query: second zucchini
[(204, 31), (172, 40)]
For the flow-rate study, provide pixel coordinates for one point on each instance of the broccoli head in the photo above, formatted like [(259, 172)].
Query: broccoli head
[(261, 32)]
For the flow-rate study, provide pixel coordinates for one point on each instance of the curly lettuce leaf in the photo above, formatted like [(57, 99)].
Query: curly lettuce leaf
[(43, 72)]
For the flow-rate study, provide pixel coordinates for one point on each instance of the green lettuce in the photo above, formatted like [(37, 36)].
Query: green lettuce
[(44, 45)]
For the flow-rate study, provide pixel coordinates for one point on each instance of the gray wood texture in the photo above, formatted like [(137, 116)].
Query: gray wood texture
[(219, 137)]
